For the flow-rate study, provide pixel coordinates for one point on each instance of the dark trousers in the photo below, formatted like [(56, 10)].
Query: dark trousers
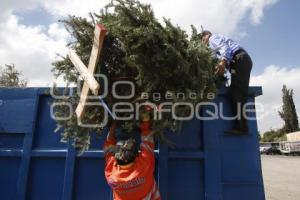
[(240, 70)]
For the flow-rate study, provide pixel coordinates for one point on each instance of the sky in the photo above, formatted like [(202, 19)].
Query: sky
[(31, 37)]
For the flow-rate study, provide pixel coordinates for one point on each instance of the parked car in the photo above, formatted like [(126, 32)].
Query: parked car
[(264, 147), (270, 148)]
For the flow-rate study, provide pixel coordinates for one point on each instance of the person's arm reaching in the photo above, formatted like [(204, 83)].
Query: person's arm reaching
[(221, 66), (110, 140), (145, 133), (147, 146), (218, 44)]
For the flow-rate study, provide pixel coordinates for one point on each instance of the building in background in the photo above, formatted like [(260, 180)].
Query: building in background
[(293, 137)]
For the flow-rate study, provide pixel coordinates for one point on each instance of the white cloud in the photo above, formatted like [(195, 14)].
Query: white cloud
[(33, 48), (272, 80), (73, 7), (57, 32), (7, 6), (221, 16)]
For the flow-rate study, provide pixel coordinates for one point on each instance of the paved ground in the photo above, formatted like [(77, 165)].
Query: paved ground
[(281, 177)]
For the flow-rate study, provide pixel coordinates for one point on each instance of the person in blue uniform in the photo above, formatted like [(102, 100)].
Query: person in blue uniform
[(235, 58)]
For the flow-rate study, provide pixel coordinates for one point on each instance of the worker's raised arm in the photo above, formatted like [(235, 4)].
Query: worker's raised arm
[(110, 140), (147, 138), (147, 146)]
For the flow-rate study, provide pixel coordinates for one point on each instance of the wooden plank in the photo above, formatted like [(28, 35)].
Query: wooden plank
[(86, 75), (99, 35)]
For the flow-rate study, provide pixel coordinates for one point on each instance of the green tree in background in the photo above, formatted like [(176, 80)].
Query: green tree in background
[(288, 113), (273, 136), (289, 116), (11, 77)]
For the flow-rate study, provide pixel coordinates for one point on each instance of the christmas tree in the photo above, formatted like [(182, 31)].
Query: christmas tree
[(157, 58)]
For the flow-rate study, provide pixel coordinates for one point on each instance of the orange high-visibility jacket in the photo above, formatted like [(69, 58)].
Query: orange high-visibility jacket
[(134, 181)]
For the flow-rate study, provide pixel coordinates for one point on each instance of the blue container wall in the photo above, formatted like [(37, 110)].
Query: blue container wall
[(203, 164)]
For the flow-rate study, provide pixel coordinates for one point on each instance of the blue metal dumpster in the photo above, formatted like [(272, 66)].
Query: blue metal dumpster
[(204, 164)]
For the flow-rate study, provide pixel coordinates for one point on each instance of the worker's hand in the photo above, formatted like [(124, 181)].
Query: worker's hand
[(220, 68)]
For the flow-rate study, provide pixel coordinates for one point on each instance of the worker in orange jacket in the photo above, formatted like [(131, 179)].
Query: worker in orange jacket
[(128, 172)]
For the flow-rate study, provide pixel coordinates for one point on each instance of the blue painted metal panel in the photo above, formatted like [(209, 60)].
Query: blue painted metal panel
[(89, 179), (185, 179), (45, 138), (203, 163), (45, 179), (8, 176), (18, 115), (11, 141)]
